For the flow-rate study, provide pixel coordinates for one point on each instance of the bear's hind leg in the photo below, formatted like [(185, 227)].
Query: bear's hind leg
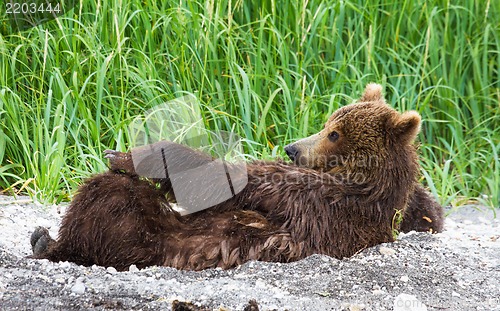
[(40, 241), (423, 213)]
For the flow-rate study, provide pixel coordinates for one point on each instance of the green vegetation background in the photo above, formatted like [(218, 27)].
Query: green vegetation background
[(272, 70)]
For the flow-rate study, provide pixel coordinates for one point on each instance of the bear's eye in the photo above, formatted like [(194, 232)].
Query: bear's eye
[(333, 136)]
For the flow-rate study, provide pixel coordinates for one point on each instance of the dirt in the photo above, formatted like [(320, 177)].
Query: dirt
[(458, 269)]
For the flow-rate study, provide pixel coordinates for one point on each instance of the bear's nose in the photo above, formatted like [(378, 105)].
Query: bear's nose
[(291, 151)]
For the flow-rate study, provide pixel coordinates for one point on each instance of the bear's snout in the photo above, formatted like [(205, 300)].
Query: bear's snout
[(292, 152)]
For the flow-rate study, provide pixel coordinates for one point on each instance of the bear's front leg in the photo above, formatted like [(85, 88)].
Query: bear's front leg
[(158, 162), (121, 162)]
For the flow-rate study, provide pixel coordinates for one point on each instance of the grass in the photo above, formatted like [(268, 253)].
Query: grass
[(272, 70)]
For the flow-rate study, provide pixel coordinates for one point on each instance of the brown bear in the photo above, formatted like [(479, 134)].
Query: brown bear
[(423, 213), (352, 180)]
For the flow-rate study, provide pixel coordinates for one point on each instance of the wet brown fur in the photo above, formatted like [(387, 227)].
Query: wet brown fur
[(285, 213)]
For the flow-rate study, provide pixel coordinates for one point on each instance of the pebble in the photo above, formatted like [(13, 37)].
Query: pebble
[(378, 292), (60, 280), (78, 288), (133, 268), (386, 250), (111, 270), (325, 258)]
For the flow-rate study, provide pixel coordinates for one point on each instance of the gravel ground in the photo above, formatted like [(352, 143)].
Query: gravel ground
[(458, 269)]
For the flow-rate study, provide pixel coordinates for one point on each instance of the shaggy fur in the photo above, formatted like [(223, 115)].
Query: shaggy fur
[(337, 204)]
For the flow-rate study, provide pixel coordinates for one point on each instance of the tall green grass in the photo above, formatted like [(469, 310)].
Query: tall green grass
[(272, 70)]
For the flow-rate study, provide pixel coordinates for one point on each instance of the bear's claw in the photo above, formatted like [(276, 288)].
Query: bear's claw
[(110, 153), (119, 161)]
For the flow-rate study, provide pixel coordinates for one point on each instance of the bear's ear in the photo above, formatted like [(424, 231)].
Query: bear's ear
[(373, 92), (406, 126)]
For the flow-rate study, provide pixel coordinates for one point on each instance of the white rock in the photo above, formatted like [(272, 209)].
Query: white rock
[(60, 280), (64, 265), (78, 288), (377, 292), (111, 270), (404, 278), (353, 306), (133, 268), (386, 250)]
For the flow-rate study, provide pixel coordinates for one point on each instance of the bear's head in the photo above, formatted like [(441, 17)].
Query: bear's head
[(362, 142)]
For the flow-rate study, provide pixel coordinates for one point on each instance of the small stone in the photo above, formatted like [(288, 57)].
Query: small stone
[(455, 294), (353, 306), (111, 270), (386, 251), (133, 268), (78, 288), (404, 278), (377, 292)]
